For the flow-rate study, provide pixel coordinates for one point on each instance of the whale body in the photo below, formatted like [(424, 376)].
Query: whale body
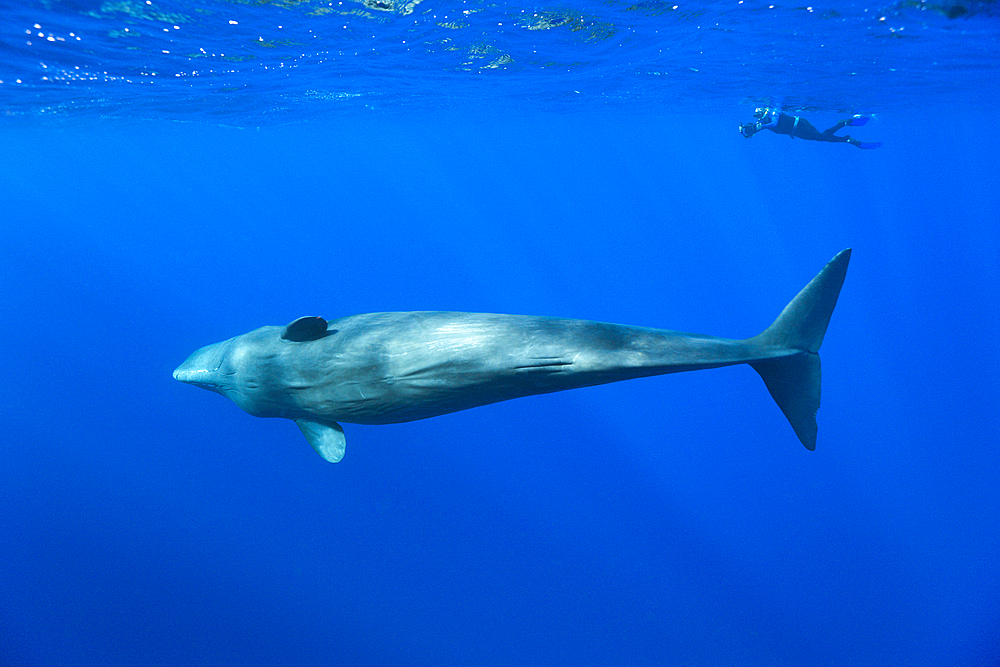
[(385, 368)]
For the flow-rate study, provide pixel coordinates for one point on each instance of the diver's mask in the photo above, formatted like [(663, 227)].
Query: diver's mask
[(760, 113)]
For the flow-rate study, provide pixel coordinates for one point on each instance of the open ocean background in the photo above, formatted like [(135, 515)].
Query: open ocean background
[(174, 173)]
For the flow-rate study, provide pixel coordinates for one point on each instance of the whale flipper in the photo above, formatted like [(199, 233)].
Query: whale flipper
[(794, 380), (305, 329), (327, 439)]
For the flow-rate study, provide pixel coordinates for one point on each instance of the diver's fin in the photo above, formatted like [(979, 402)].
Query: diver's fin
[(869, 144), (794, 378), (858, 121), (326, 438)]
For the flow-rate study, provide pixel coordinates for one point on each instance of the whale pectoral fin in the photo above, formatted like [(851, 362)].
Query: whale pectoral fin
[(327, 439), (305, 329)]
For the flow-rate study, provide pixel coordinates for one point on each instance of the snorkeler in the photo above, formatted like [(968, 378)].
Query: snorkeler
[(794, 126)]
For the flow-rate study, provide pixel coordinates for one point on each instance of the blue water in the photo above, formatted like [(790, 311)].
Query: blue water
[(176, 173)]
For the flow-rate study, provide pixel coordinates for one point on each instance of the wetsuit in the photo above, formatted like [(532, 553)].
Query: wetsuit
[(796, 126)]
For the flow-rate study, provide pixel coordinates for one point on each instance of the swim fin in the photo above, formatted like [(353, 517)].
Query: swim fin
[(867, 144), (858, 121)]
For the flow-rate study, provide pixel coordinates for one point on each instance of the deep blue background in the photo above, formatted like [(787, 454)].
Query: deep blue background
[(671, 520)]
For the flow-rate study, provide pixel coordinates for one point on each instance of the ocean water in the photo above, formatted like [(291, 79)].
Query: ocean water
[(176, 173)]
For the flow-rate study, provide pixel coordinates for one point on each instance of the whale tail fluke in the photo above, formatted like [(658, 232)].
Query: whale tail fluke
[(791, 369)]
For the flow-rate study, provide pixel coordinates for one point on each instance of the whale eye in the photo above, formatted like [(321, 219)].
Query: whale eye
[(305, 329)]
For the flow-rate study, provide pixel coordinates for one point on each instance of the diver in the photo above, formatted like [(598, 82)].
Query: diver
[(795, 126)]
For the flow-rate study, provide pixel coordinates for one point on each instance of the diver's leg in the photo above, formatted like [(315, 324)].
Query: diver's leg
[(864, 144), (805, 130), (830, 132)]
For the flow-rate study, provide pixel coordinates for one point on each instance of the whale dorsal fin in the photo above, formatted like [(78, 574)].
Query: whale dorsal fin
[(326, 438), (305, 329)]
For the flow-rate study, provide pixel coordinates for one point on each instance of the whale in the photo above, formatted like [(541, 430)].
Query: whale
[(387, 368)]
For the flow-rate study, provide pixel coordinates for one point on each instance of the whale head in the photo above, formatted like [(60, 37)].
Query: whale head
[(209, 368), (257, 372), (253, 370), (236, 368)]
